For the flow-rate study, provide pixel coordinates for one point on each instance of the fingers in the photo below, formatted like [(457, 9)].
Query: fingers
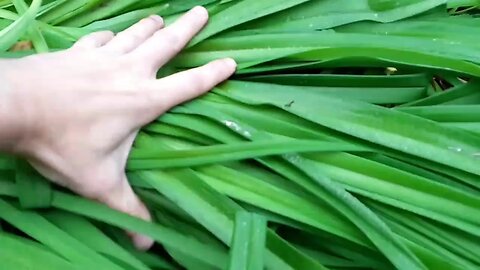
[(135, 35), (94, 40), (170, 91), (168, 42), (122, 198)]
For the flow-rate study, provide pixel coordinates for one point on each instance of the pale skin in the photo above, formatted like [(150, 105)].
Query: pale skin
[(74, 114)]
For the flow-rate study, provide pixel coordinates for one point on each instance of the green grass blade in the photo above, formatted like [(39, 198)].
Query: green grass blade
[(38, 257), (248, 242), (368, 122), (39, 228), (241, 12), (10, 34)]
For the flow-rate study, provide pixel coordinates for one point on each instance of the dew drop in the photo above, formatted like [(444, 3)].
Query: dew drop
[(456, 149)]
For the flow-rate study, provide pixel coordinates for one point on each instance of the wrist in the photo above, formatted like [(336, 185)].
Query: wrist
[(14, 126)]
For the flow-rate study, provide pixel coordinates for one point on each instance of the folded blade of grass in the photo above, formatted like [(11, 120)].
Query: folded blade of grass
[(330, 39), (446, 113), (152, 260), (179, 132), (191, 227), (168, 237), (413, 183), (472, 99), (107, 9), (460, 176), (454, 261), (351, 208), (331, 245), (307, 17), (439, 31), (217, 212), (471, 127), (245, 58), (430, 259), (60, 37), (286, 251), (257, 118), (160, 158), (447, 96), (100, 212), (343, 80), (157, 201), (379, 125), (67, 9), (187, 262), (10, 34), (201, 125), (367, 221), (125, 20), (461, 3), (97, 12), (281, 65), (255, 192), (241, 12), (5, 3), (404, 191), (91, 236), (195, 230), (422, 172), (34, 191), (455, 241), (402, 58), (338, 198), (36, 36), (248, 242), (38, 258), (59, 241), (47, 6), (174, 6), (332, 57), (199, 107), (9, 15), (368, 88), (203, 197), (329, 260)]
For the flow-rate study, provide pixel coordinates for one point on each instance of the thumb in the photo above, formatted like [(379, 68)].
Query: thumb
[(122, 198)]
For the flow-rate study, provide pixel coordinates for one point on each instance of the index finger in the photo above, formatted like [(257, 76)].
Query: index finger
[(168, 42)]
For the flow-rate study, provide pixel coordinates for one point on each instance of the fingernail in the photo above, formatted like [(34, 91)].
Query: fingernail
[(230, 62), (200, 10), (142, 242), (156, 18)]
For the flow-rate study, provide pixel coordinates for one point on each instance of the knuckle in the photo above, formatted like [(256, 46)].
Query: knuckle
[(172, 40), (109, 34), (128, 36), (149, 22), (135, 38), (122, 36)]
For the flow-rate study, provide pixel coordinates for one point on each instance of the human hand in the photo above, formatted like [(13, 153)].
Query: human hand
[(79, 110)]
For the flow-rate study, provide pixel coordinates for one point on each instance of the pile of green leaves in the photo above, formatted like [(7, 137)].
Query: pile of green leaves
[(348, 139)]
